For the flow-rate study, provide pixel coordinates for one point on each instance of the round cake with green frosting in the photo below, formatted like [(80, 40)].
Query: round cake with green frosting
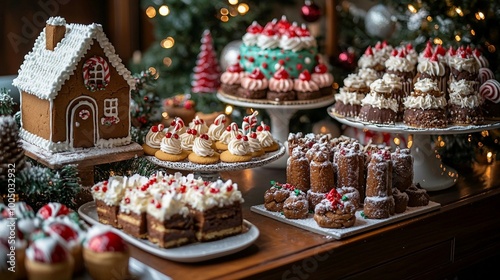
[(279, 44)]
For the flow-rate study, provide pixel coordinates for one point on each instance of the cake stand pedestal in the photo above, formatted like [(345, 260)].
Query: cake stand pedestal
[(279, 113), (429, 171), (210, 172)]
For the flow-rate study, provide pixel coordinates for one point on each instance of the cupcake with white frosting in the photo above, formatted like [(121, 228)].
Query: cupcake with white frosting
[(153, 139), (379, 106), (203, 152), (426, 106), (464, 105)]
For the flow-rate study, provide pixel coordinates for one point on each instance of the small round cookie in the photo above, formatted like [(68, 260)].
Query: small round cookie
[(194, 158), (149, 150), (226, 156), (274, 147), (220, 146), (170, 157)]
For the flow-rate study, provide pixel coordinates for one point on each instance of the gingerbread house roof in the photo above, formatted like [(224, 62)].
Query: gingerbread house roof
[(44, 72)]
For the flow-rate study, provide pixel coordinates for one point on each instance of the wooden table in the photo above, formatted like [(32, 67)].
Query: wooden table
[(464, 231)]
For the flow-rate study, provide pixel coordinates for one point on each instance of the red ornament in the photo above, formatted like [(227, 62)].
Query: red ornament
[(107, 242), (310, 11), (348, 59), (53, 209)]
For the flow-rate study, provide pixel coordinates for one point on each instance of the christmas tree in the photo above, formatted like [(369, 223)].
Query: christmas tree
[(178, 25), (206, 76), (6, 102)]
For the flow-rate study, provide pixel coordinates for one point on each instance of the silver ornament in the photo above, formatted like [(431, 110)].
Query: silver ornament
[(229, 54), (380, 22)]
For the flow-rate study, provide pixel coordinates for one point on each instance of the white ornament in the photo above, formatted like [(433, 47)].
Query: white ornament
[(380, 22), (229, 54)]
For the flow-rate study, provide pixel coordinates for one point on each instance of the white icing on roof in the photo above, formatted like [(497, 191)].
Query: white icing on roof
[(56, 21), (43, 71)]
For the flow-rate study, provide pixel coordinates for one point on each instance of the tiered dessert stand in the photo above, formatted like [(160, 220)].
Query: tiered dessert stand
[(280, 113), (429, 171), (210, 172)]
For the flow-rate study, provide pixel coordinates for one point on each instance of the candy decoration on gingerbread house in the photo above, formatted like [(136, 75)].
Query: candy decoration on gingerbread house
[(75, 91)]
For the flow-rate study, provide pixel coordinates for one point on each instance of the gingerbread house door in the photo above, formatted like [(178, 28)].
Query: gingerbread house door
[(82, 127)]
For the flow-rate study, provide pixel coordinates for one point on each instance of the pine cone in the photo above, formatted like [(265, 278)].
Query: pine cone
[(11, 151)]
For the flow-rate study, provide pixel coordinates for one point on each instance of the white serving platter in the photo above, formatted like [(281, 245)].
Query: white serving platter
[(195, 252), (361, 224)]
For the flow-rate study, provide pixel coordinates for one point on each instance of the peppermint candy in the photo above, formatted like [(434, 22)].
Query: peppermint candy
[(490, 90), (485, 74)]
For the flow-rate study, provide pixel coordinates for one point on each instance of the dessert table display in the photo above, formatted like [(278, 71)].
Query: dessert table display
[(280, 113), (211, 172), (429, 171)]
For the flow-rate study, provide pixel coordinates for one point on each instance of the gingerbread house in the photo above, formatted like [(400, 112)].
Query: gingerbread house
[(75, 91)]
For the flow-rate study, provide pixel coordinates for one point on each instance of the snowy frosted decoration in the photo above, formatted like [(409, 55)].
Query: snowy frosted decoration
[(380, 22), (415, 20)]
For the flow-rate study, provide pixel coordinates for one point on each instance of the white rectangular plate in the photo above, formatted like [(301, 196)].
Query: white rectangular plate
[(195, 252), (361, 224)]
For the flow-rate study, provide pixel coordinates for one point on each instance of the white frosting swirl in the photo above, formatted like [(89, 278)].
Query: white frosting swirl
[(397, 63), (379, 86), (171, 145), (265, 138), (468, 64), (187, 141), (425, 102), (250, 39), (153, 139), (354, 81), (238, 147), (347, 97), (426, 85), (368, 75), (465, 101), (268, 42), (379, 101), (434, 68), (393, 80), (217, 194), (217, 128), (291, 43), (203, 147), (462, 87), (254, 144), (367, 61)]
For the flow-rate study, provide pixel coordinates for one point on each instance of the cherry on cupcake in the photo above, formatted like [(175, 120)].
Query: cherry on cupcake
[(305, 75)]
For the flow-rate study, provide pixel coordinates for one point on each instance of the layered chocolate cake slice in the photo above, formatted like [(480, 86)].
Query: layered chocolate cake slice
[(216, 209), (169, 221), (107, 196), (132, 214)]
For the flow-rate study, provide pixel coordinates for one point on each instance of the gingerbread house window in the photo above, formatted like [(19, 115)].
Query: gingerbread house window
[(96, 74), (111, 107)]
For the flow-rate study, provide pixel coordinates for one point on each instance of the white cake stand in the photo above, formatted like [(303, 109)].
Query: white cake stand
[(280, 113), (428, 169), (210, 172)]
